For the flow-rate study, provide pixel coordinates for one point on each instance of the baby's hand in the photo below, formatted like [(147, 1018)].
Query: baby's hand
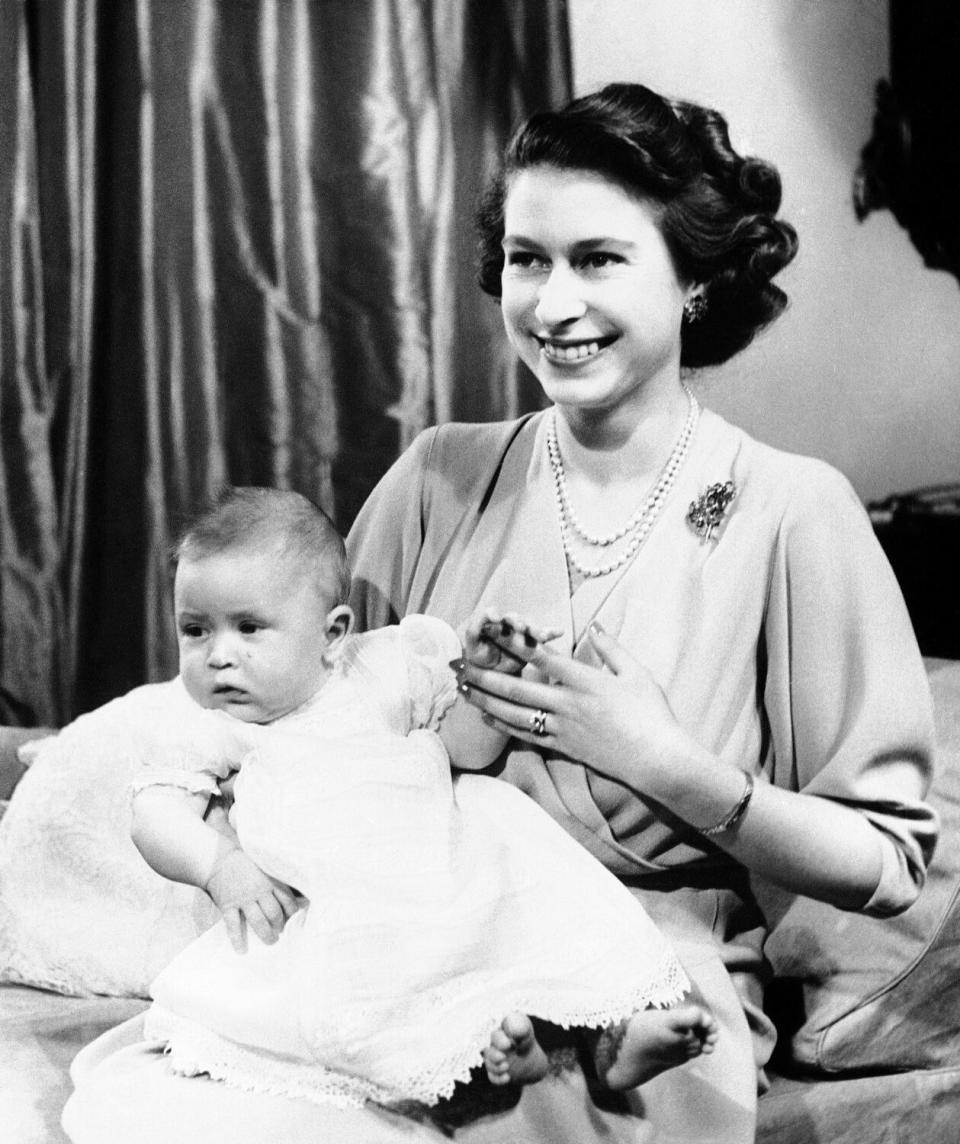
[(502, 642), (246, 896)]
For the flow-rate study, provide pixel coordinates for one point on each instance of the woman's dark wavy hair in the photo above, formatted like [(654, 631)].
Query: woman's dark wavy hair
[(716, 208)]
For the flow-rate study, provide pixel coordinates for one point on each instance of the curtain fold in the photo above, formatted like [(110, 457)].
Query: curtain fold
[(236, 246)]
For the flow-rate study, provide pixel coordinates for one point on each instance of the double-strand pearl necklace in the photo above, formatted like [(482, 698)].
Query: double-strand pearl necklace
[(634, 532)]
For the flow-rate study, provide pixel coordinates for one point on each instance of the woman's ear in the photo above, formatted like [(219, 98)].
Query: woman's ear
[(337, 626)]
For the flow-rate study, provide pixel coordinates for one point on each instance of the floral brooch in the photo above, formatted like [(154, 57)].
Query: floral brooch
[(707, 511)]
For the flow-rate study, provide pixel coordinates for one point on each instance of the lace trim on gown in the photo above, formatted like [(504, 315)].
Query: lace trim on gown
[(194, 1049)]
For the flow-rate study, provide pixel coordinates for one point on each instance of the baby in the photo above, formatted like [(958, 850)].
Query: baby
[(401, 914)]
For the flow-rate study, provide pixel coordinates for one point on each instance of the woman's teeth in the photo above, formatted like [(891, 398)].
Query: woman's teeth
[(577, 352)]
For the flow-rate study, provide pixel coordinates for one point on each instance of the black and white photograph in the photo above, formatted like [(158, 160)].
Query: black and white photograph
[(479, 564)]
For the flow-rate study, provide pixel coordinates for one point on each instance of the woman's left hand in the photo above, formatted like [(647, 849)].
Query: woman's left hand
[(614, 719)]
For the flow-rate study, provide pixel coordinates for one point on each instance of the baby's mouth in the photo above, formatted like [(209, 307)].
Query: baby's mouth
[(571, 351), (226, 691)]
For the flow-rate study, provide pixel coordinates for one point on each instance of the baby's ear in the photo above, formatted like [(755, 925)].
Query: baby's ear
[(337, 626)]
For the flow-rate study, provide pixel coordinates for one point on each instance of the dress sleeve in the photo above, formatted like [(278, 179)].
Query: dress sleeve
[(427, 645), (846, 691), (385, 541)]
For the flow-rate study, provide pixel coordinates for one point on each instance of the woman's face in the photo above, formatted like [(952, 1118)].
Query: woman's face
[(591, 299)]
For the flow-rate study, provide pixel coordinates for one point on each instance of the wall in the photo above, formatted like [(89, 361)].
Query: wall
[(864, 368)]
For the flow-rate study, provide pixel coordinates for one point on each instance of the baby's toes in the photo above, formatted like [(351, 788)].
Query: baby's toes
[(501, 1041), (707, 1026), (517, 1028), (497, 1066)]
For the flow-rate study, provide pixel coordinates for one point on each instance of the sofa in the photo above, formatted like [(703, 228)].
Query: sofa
[(868, 1010)]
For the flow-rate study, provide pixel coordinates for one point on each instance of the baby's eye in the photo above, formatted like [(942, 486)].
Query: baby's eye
[(248, 627), (191, 631)]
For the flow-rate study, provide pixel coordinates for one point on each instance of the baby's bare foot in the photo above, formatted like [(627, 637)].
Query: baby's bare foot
[(651, 1042), (514, 1055)]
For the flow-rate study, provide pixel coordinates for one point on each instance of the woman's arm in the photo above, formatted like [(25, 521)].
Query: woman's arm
[(846, 747), (618, 722), (170, 832)]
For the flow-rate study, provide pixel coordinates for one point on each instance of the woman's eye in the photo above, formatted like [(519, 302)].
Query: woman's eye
[(600, 260), (523, 260)]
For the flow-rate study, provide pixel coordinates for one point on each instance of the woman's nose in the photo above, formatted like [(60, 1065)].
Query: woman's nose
[(560, 298)]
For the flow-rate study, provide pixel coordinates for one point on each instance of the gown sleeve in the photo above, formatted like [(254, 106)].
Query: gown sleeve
[(427, 645), (188, 748), (846, 692)]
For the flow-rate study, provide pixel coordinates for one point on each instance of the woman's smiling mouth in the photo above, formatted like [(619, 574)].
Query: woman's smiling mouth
[(573, 352)]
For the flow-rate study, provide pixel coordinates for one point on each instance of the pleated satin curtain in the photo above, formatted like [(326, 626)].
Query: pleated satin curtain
[(236, 246)]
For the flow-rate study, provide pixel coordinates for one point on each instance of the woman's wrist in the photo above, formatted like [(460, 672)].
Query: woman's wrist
[(736, 812), (709, 794)]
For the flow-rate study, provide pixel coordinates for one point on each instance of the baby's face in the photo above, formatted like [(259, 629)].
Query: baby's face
[(252, 633)]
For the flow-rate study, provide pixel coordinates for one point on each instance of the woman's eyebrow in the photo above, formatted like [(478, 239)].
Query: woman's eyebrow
[(606, 242), (518, 240), (585, 244)]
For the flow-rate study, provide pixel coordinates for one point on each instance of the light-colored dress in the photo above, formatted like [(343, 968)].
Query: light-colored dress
[(782, 643), (432, 908)]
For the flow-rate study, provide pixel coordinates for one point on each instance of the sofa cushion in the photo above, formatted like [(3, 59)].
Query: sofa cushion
[(856, 993), (80, 911), (923, 1105), (41, 1033)]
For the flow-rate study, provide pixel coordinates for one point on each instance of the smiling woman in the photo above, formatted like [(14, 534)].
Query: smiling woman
[(595, 314), (735, 672)]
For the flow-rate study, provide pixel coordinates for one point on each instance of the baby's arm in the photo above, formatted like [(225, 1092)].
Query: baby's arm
[(493, 640), (170, 832)]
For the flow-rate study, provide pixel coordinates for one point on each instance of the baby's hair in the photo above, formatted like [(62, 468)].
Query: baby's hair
[(715, 209), (253, 519)]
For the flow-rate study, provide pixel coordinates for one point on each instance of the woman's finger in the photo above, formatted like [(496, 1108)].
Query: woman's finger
[(481, 623), (512, 688), (612, 654), (513, 717), (560, 667), (534, 727)]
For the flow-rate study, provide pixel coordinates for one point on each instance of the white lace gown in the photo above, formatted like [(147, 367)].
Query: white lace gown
[(433, 907)]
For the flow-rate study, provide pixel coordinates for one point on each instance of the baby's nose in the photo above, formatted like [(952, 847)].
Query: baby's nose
[(222, 652)]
